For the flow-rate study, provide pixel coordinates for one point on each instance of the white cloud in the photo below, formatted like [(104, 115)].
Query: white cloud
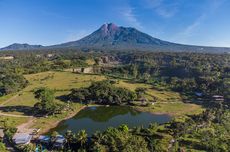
[(128, 15), (162, 8), (190, 30), (214, 5)]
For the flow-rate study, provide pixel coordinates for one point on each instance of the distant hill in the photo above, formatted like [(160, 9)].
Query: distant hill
[(113, 37), (18, 46)]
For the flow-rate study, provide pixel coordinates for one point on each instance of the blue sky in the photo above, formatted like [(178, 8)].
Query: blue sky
[(46, 22)]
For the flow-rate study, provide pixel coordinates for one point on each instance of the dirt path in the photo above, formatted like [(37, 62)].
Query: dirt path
[(9, 100), (25, 127), (12, 115)]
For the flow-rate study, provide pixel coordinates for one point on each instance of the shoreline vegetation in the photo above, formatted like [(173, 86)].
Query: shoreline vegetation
[(194, 109), (56, 123), (140, 109)]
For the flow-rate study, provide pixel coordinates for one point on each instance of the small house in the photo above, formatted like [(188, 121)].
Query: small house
[(22, 138), (86, 70), (38, 56), (7, 57), (44, 139), (49, 55), (198, 94), (218, 98), (59, 141)]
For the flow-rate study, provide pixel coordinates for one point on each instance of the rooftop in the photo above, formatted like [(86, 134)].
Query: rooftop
[(60, 139), (22, 138), (43, 138)]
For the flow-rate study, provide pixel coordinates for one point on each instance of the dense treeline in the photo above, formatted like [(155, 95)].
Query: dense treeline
[(32, 63), (102, 92), (11, 82), (184, 72)]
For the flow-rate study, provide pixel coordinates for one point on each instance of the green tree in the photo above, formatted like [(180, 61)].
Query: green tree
[(28, 148), (135, 144), (124, 128), (82, 137), (69, 137), (47, 104), (2, 147)]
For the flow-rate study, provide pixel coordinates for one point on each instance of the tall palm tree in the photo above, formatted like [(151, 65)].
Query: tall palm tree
[(54, 136), (82, 137), (69, 137), (97, 137)]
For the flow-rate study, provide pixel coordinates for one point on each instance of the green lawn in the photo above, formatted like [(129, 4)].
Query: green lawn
[(4, 98), (168, 102), (62, 82), (161, 96), (174, 109), (11, 121)]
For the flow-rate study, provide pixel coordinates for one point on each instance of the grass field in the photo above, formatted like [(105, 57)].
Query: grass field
[(173, 109), (11, 121), (4, 98), (161, 96), (62, 82), (168, 102)]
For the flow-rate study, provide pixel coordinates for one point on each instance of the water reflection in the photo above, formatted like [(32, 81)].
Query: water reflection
[(94, 119)]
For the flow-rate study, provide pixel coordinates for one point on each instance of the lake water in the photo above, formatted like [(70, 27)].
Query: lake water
[(99, 118)]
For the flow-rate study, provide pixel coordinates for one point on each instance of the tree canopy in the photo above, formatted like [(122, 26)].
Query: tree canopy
[(102, 92)]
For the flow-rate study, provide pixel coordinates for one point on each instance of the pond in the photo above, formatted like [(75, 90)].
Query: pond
[(99, 118)]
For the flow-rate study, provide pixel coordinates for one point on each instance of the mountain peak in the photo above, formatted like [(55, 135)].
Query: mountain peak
[(112, 37), (109, 25), (109, 28)]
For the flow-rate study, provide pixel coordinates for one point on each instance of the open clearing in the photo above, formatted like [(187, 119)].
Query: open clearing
[(161, 96), (62, 82)]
